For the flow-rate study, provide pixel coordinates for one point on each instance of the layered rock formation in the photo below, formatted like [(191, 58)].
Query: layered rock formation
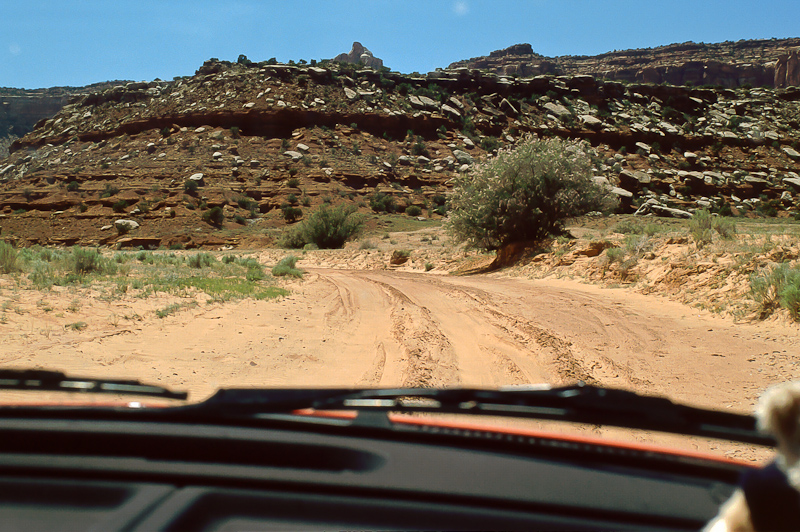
[(21, 109), (258, 140), (756, 63), (360, 54)]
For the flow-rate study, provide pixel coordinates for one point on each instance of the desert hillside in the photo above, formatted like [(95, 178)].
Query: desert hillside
[(268, 143)]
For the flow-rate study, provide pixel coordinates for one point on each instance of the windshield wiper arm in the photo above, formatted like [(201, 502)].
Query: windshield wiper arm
[(579, 403), (45, 380)]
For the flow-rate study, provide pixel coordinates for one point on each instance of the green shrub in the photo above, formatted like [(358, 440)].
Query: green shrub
[(108, 191), (700, 226), (291, 214), (413, 210), (119, 206), (524, 194), (42, 275), (419, 148), (199, 260), (327, 227), (86, 260), (725, 227), (490, 143), (8, 258), (293, 182), (615, 255), (381, 202), (778, 286), (190, 186), (247, 203), (286, 266), (73, 186), (214, 216)]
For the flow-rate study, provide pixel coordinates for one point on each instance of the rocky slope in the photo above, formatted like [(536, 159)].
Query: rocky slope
[(21, 109), (754, 63), (260, 140)]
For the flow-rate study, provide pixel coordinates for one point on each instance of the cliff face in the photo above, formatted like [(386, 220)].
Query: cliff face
[(18, 114), (757, 63), (21, 109)]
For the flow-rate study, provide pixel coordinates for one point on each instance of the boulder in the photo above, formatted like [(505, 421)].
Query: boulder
[(455, 102), (430, 104), (508, 108), (792, 182), (446, 109), (415, 102), (293, 155), (556, 109), (634, 177), (791, 153), (136, 242), (621, 192), (463, 157), (350, 93), (125, 225), (398, 257), (591, 121), (594, 248)]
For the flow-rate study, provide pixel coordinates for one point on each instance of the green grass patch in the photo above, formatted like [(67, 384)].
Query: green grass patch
[(286, 267)]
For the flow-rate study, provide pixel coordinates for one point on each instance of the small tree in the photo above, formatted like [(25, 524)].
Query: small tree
[(525, 194)]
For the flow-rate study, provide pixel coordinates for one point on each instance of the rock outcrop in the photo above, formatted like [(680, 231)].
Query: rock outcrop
[(787, 70), (360, 54), (21, 109), (756, 63)]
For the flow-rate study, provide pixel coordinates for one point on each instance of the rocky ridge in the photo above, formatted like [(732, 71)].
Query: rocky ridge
[(754, 63), (259, 140), (21, 109)]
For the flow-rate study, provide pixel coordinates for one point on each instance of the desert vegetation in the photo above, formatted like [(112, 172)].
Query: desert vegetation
[(525, 194), (326, 228), (189, 278)]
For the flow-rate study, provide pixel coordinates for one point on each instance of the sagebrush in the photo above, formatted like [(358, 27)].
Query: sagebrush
[(327, 228), (525, 194)]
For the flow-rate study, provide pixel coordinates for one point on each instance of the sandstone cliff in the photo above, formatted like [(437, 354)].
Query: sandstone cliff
[(755, 63), (21, 109)]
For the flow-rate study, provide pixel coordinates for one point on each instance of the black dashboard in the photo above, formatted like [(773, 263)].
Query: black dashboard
[(143, 475)]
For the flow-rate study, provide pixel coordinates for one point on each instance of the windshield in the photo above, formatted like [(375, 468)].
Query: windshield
[(282, 208)]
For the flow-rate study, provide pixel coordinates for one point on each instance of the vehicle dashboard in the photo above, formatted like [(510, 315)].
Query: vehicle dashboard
[(140, 474)]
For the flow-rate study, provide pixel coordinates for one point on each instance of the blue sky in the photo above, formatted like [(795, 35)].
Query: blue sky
[(71, 42)]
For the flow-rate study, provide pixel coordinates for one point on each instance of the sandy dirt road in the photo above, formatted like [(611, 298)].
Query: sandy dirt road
[(392, 328)]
